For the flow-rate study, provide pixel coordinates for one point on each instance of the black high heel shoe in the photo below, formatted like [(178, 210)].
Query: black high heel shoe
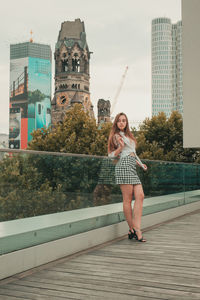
[(131, 234), (136, 237)]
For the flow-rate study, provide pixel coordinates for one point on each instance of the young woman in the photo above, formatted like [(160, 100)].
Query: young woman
[(122, 144)]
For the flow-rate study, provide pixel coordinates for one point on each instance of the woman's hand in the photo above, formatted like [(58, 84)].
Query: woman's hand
[(120, 145), (121, 142), (145, 167)]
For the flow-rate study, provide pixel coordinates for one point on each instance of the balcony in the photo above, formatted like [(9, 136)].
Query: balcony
[(63, 232)]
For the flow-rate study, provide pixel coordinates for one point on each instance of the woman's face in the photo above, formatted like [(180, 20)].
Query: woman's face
[(121, 123)]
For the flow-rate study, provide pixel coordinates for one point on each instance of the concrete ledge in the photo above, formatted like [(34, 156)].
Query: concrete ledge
[(170, 214), (23, 233), (28, 232), (104, 224)]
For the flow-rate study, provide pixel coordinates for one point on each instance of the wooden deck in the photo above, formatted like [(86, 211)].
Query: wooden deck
[(166, 267)]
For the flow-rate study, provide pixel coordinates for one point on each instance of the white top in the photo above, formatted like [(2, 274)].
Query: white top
[(129, 147)]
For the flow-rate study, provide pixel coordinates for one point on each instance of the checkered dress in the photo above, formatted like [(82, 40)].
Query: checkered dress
[(125, 171)]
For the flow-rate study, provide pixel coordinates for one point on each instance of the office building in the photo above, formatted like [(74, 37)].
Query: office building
[(30, 91), (167, 94)]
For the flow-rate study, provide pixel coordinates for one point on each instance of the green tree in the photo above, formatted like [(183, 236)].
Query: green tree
[(35, 96), (35, 184), (160, 138), (78, 133), (25, 192)]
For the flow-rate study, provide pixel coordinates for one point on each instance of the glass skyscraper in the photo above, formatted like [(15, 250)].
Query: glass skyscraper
[(166, 66), (30, 91)]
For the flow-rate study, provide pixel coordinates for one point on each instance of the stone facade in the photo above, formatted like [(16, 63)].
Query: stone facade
[(103, 111), (72, 75)]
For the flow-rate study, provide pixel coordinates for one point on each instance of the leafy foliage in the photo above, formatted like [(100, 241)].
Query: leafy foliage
[(25, 191), (35, 184), (160, 138), (35, 96), (77, 134)]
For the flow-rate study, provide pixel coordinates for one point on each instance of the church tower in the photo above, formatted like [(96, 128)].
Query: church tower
[(72, 75), (103, 111)]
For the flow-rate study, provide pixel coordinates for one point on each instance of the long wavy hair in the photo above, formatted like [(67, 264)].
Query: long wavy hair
[(115, 130)]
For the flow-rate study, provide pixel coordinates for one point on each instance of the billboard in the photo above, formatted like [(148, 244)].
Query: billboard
[(39, 94), (18, 102), (30, 98)]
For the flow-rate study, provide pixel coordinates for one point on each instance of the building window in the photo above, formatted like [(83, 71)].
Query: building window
[(76, 63), (65, 66)]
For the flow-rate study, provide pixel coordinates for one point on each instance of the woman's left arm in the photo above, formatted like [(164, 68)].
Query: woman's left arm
[(138, 161)]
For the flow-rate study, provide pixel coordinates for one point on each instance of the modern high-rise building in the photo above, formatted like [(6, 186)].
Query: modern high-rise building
[(30, 91), (167, 94)]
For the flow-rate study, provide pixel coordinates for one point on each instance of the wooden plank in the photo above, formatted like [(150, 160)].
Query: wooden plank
[(118, 282), (129, 268), (140, 275), (142, 260), (4, 297), (166, 258), (36, 294), (136, 260), (132, 262), (73, 293), (10, 293), (123, 272), (143, 281), (123, 289)]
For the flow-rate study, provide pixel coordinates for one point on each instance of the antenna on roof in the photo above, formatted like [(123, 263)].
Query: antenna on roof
[(31, 39)]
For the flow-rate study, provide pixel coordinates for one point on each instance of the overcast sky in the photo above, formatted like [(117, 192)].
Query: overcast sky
[(118, 33)]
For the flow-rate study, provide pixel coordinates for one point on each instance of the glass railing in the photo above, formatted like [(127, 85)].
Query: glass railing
[(37, 183)]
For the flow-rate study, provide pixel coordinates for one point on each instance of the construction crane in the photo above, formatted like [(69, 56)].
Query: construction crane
[(118, 91)]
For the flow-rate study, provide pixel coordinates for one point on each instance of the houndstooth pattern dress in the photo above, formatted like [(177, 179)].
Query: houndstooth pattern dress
[(125, 171)]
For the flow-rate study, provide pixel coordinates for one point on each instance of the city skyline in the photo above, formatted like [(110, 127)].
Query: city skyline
[(117, 39)]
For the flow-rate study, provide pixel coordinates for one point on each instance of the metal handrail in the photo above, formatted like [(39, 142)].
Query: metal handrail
[(49, 153), (83, 155)]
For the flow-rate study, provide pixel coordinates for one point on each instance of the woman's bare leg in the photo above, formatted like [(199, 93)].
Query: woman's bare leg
[(137, 209), (133, 225), (127, 193)]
